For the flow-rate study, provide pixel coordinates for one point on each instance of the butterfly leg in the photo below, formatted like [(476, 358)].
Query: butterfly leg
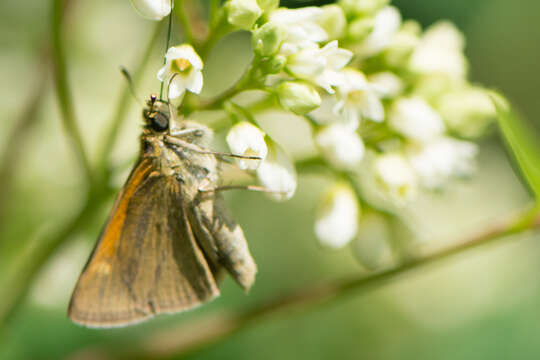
[(200, 150), (240, 187)]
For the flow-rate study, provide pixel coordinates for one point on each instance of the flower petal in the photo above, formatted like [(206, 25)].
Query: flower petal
[(152, 9), (177, 87), (195, 81), (187, 52)]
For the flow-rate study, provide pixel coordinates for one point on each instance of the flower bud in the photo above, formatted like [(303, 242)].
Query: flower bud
[(415, 119), (274, 64), (337, 217), (371, 246), (277, 173), (386, 84), (243, 13), (267, 39), (431, 87), (440, 51), (340, 145), (467, 112), (298, 97), (397, 54), (360, 28), (396, 177), (333, 21), (247, 140), (440, 159), (152, 9), (385, 27), (362, 7)]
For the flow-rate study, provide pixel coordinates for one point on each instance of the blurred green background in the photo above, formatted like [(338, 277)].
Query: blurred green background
[(479, 305)]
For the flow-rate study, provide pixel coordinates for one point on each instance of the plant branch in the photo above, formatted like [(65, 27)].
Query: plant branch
[(214, 12), (63, 91), (17, 140), (30, 262), (246, 82), (190, 337), (180, 12)]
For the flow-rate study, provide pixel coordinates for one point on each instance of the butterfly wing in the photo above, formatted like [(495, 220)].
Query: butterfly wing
[(146, 261), (222, 238)]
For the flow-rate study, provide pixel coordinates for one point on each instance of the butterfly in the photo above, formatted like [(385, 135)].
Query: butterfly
[(169, 237)]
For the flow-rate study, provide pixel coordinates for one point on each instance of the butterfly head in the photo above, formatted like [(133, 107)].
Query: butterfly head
[(156, 114)]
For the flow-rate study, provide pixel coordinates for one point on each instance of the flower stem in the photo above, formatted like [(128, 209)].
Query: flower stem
[(246, 82), (63, 91), (31, 261), (214, 12), (184, 21), (18, 139), (169, 32)]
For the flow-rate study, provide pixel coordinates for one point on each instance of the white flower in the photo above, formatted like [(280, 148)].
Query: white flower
[(152, 9), (386, 25), (434, 162), (340, 145), (183, 61), (372, 243), (247, 140), (467, 111), (440, 51), (300, 25), (277, 173), (387, 84), (357, 99), (320, 65), (396, 177), (415, 119), (337, 218)]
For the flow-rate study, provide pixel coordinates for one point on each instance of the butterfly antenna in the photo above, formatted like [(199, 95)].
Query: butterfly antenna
[(131, 85), (172, 113), (169, 32)]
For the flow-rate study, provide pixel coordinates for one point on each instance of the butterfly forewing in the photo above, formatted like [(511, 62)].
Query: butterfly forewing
[(147, 260)]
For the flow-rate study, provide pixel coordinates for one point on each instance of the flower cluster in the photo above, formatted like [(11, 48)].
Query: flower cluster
[(390, 106)]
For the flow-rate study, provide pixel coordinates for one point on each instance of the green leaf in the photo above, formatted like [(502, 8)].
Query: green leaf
[(522, 141)]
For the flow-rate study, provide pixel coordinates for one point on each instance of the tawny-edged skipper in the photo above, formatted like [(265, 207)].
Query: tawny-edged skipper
[(169, 234)]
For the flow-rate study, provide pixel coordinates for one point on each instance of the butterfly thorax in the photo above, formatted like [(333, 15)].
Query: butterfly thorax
[(194, 170)]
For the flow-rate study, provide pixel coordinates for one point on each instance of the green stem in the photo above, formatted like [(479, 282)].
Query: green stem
[(215, 6), (190, 337), (63, 91), (225, 122), (18, 139), (40, 250), (216, 33), (122, 106), (184, 21), (246, 82), (167, 43)]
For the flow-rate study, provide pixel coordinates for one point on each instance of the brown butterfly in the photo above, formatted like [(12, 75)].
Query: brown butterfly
[(169, 235)]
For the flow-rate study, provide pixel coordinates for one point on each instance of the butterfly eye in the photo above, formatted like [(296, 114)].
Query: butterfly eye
[(159, 122)]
